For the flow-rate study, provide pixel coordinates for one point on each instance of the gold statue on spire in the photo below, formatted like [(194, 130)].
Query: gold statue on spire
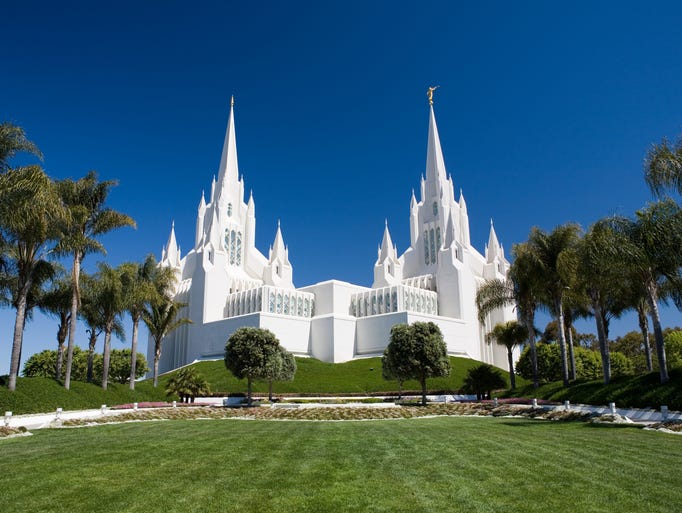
[(429, 94)]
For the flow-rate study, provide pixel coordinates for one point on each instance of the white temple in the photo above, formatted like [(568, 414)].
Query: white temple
[(228, 283)]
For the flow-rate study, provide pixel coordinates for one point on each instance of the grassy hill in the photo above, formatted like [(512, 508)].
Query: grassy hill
[(35, 395)]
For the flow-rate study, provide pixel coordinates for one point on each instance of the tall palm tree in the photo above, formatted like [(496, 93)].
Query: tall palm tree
[(111, 304), (161, 318), (93, 316), (12, 141), (29, 215), (56, 302), (547, 249), (85, 200), (650, 247), (140, 289), (509, 334), (519, 289), (663, 167)]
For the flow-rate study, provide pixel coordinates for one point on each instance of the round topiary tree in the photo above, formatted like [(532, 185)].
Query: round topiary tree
[(416, 352), (252, 353)]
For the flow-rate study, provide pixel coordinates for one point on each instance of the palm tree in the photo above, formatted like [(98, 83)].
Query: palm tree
[(160, 317), (12, 141), (56, 302), (596, 271), (509, 334), (110, 303), (650, 247), (519, 290), (141, 283), (94, 318), (89, 218), (29, 215), (663, 167), (547, 250)]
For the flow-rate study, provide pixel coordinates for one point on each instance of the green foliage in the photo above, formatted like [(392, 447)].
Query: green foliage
[(416, 352), (663, 167), (482, 380), (188, 384), (673, 348), (253, 353), (43, 365), (587, 362), (12, 141)]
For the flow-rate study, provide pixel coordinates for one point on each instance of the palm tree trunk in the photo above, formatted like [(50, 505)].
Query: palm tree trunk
[(512, 376), (529, 320), (106, 356), (571, 352), (603, 341), (75, 274), (157, 357), (423, 382), (133, 351), (559, 305), (652, 300), (248, 393), (92, 342), (644, 328), (62, 332), (17, 340)]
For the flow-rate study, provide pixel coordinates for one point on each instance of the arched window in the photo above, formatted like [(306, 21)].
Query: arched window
[(300, 307), (286, 305), (229, 210), (306, 307), (432, 246), (438, 241), (279, 303), (435, 208), (380, 307), (426, 247), (271, 303), (394, 301)]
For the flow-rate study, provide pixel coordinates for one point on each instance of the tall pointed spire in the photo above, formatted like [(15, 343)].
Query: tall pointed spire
[(229, 170), (493, 249), (436, 176), (449, 232), (172, 252), (387, 247), (278, 248)]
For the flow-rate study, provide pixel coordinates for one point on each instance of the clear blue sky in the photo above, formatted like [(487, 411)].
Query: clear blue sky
[(545, 112)]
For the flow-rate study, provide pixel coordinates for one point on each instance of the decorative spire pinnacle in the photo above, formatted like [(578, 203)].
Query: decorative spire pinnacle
[(387, 247), (435, 164), (172, 252), (278, 248), (449, 232), (232, 101)]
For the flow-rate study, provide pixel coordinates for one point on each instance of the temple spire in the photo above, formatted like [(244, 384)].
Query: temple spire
[(387, 248), (228, 172), (436, 176), (172, 254), (493, 248)]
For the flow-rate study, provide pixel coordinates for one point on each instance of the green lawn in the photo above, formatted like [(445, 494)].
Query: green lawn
[(411, 465)]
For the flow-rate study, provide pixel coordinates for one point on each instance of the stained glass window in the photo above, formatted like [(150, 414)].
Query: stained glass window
[(286, 305), (432, 246), (271, 303), (426, 247), (300, 307), (394, 301), (306, 307), (233, 241), (435, 208), (279, 303), (438, 241), (229, 209), (239, 248)]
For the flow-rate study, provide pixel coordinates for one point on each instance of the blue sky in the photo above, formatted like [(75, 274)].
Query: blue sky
[(545, 113)]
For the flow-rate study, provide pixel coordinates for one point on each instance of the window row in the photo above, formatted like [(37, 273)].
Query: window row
[(431, 245), (291, 304)]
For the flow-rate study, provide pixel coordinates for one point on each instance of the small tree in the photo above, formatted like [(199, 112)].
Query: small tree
[(251, 353), (482, 380), (509, 334), (280, 368), (188, 384), (416, 352)]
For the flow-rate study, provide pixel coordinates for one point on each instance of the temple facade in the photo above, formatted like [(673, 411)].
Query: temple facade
[(227, 283)]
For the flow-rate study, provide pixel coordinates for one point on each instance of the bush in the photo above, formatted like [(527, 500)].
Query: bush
[(482, 380)]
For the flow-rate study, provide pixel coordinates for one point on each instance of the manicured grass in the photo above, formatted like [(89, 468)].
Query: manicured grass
[(411, 465), (39, 395), (626, 391), (315, 377)]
